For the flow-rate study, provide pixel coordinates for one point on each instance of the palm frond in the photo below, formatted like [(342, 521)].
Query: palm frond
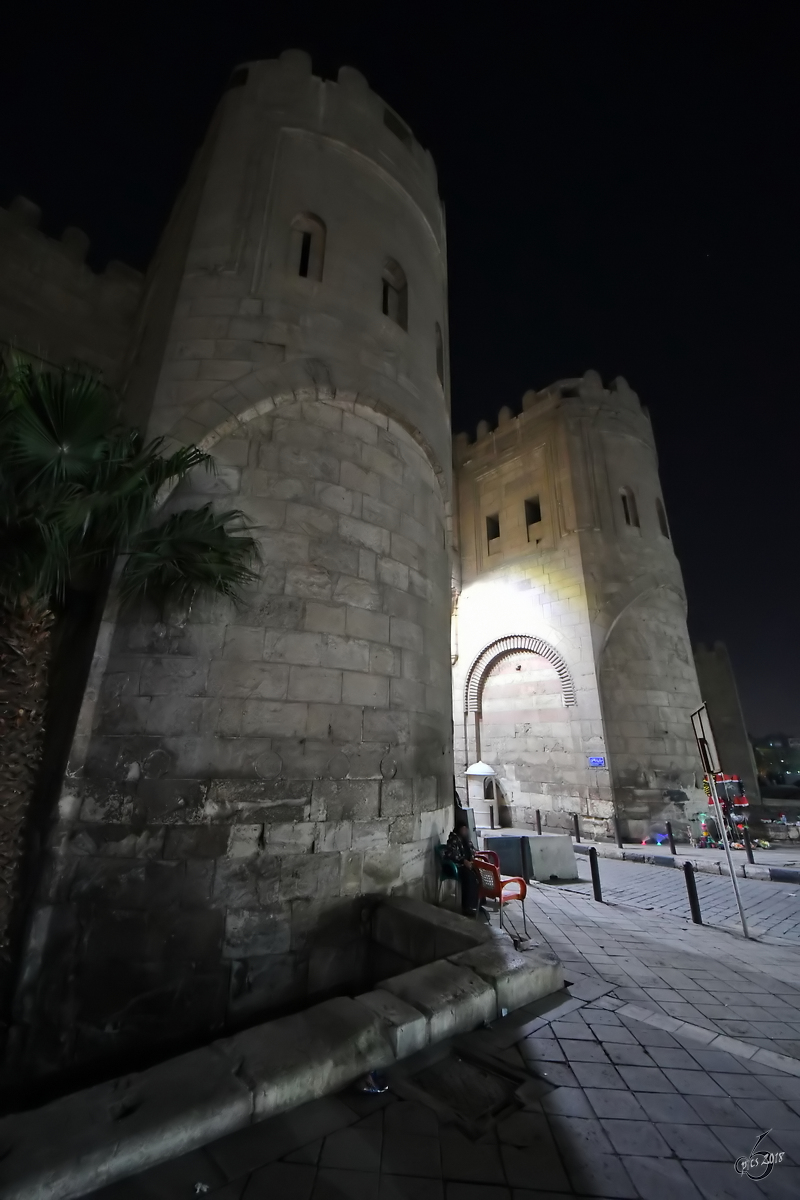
[(191, 551)]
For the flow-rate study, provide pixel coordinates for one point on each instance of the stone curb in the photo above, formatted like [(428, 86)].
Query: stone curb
[(710, 1038), (102, 1134), (743, 870)]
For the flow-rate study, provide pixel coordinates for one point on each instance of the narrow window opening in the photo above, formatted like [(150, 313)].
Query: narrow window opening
[(439, 356), (629, 508), (533, 511), (492, 529), (662, 517), (394, 293), (305, 253), (307, 247), (396, 126)]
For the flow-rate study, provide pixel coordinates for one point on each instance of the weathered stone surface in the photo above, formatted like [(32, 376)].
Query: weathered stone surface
[(83, 1141), (301, 1057), (517, 976), (453, 999), (422, 932), (406, 1027)]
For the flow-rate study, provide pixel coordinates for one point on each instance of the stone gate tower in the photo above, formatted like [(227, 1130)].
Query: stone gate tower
[(241, 775), (573, 674)]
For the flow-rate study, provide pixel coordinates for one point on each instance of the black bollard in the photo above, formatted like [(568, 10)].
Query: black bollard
[(748, 845), (617, 834), (672, 849), (577, 827), (691, 888), (538, 822), (596, 888)]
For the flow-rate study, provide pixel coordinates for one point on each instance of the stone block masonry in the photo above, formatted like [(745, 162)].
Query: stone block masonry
[(254, 769)]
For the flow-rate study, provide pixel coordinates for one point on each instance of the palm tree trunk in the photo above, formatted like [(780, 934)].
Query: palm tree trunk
[(25, 646)]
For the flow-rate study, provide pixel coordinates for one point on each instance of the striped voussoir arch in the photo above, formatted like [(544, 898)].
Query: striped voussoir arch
[(513, 643)]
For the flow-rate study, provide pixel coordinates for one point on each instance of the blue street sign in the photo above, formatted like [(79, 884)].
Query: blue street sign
[(596, 760)]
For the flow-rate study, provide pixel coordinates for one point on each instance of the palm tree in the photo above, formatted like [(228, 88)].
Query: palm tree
[(78, 489)]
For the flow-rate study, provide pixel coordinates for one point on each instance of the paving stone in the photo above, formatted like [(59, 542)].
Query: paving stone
[(477, 1191), (608, 1102), (618, 1034), (557, 1074), (398, 1187), (742, 1085), (785, 1087), (631, 1056), (660, 1179), (716, 1110), (281, 1181), (650, 1035), (601, 1175), (308, 1155), (528, 1168), (674, 1057), (597, 1075), (693, 1141), (411, 1154), (269, 1140), (542, 1049), (579, 1135), (359, 1149), (664, 1107), (628, 1137), (573, 1030), (693, 1083), (715, 1060), (583, 1051), (645, 1079), (408, 1117), (771, 1114), (465, 1160), (567, 1102), (715, 1184), (526, 1129), (340, 1184)]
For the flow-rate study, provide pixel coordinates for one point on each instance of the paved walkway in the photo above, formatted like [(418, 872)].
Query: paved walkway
[(772, 909), (647, 1079)]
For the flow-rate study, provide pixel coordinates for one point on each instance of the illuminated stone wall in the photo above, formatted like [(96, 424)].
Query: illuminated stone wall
[(603, 591)]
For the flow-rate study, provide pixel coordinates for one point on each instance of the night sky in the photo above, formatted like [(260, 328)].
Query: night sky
[(621, 182)]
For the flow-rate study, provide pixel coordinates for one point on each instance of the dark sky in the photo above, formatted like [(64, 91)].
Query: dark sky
[(621, 182)]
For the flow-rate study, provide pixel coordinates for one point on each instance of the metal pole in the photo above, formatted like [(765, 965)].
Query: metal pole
[(596, 888), (724, 831), (577, 827), (748, 845), (691, 888), (538, 822), (672, 849), (617, 833)]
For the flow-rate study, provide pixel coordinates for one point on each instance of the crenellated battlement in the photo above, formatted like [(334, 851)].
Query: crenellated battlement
[(586, 387), (52, 304)]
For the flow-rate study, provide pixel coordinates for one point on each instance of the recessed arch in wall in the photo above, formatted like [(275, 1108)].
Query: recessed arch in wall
[(512, 644)]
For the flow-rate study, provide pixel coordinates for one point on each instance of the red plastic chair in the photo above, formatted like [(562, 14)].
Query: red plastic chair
[(494, 887), (488, 856)]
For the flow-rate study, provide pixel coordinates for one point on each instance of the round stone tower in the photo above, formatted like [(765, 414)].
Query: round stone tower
[(646, 672), (257, 768)]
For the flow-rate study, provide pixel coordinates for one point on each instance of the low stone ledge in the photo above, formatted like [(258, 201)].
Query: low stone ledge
[(453, 999), (307, 1055), (93, 1137), (518, 976), (406, 1027)]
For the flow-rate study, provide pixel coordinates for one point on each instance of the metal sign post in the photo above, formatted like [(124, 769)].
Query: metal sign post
[(704, 736)]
